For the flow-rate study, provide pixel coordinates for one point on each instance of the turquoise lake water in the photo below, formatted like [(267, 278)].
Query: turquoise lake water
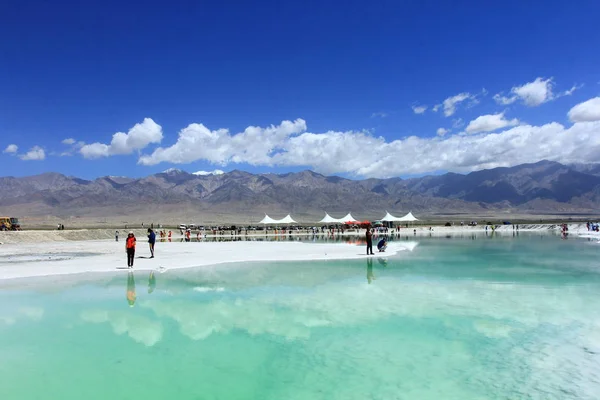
[(457, 318)]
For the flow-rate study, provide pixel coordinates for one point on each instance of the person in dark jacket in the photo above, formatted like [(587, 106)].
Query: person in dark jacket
[(369, 236), (151, 241), (130, 249), (382, 245)]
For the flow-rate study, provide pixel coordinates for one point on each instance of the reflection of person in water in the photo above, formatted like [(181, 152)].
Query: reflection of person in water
[(151, 282), (370, 276), (131, 289), (383, 262)]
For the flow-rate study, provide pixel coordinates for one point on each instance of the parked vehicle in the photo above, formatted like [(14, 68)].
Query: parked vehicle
[(9, 224)]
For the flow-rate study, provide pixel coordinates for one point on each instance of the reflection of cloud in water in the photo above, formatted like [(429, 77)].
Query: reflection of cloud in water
[(508, 337), (8, 320), (33, 313), (501, 309), (202, 289), (28, 312), (141, 329)]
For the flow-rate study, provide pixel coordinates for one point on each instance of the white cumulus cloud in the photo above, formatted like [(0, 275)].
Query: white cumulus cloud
[(11, 149), (451, 103), (587, 111), (74, 146), (36, 153), (533, 94), (489, 123), (255, 145), (138, 138), (360, 153), (419, 109), (205, 173), (503, 100), (442, 131)]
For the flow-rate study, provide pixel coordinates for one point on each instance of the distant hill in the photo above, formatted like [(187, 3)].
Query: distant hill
[(543, 187)]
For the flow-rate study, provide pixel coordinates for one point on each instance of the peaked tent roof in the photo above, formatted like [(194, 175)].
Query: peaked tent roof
[(328, 219), (390, 218), (268, 220), (408, 217), (287, 220), (348, 218)]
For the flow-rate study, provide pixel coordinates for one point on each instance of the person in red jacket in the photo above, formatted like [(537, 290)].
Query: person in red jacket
[(130, 249)]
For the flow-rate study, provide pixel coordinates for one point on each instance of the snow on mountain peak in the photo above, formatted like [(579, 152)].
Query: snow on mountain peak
[(172, 171)]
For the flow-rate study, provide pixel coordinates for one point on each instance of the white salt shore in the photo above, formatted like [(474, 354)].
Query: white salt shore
[(43, 253), (38, 236), (26, 260)]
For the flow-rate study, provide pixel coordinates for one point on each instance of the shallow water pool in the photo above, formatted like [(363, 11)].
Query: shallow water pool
[(457, 318)]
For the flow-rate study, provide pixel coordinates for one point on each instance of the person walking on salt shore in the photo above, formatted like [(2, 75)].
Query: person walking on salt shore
[(130, 249), (369, 237), (151, 241)]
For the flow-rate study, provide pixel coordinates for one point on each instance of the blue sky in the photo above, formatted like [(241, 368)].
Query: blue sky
[(348, 74)]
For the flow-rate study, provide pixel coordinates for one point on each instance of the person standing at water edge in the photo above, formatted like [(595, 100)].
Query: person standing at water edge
[(151, 241), (369, 236), (130, 249), (116, 236)]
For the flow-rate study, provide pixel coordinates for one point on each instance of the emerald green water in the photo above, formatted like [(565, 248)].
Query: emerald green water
[(458, 318)]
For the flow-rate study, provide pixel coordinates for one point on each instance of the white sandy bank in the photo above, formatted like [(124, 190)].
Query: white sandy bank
[(57, 258)]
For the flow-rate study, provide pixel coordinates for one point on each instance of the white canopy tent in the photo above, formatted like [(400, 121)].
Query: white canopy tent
[(328, 219), (268, 220), (349, 218), (287, 220), (390, 218), (408, 218)]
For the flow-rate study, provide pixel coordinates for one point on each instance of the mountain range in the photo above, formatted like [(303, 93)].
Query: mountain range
[(545, 187)]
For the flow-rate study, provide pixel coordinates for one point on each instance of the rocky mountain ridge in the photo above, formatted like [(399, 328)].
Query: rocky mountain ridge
[(546, 187)]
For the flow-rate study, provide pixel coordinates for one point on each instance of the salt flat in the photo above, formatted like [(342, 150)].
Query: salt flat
[(22, 260)]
